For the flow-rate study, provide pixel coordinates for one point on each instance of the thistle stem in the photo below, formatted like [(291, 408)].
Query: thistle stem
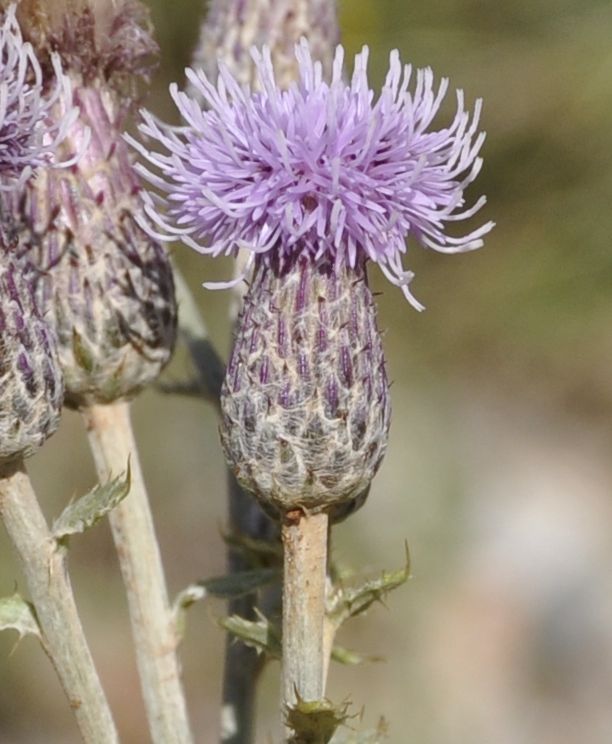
[(304, 579), (43, 562), (155, 637)]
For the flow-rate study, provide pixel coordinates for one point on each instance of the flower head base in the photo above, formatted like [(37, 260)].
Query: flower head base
[(28, 138), (319, 169)]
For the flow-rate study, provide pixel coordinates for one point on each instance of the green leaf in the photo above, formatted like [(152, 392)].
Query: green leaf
[(315, 722), (240, 583), (17, 614), (89, 509), (260, 634), (346, 602)]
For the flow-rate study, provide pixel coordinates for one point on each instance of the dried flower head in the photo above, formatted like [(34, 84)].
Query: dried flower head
[(320, 169), (104, 41), (28, 137)]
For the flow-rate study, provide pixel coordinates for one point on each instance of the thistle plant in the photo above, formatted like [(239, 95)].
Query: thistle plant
[(107, 288), (314, 183), (31, 384)]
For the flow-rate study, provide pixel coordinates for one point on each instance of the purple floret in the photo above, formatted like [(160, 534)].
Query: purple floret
[(28, 137), (319, 169)]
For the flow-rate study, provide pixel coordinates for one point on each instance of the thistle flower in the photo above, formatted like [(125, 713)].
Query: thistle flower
[(106, 285), (28, 138), (318, 170), (313, 182), (31, 387)]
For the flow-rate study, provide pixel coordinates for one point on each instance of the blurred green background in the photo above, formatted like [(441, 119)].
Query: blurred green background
[(498, 472)]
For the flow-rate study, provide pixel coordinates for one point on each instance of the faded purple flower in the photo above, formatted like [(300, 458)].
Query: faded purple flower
[(319, 170), (28, 138)]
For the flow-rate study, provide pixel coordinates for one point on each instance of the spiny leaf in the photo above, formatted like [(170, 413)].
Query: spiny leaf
[(89, 509), (350, 601), (240, 583), (315, 722), (260, 634), (17, 614)]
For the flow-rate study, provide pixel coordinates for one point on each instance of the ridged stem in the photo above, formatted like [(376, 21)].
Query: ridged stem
[(43, 562), (155, 637), (304, 662)]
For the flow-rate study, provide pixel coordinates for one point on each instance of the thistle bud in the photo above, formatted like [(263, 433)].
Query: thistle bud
[(31, 389), (305, 401), (106, 285)]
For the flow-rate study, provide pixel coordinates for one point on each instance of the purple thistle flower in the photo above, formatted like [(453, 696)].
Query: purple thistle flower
[(28, 137), (319, 170)]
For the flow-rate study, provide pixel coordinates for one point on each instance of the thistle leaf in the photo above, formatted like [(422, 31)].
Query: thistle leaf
[(348, 602), (17, 614), (260, 634), (89, 509)]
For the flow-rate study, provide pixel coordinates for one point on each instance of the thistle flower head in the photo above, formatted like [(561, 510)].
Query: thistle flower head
[(28, 137), (320, 170), (103, 285)]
